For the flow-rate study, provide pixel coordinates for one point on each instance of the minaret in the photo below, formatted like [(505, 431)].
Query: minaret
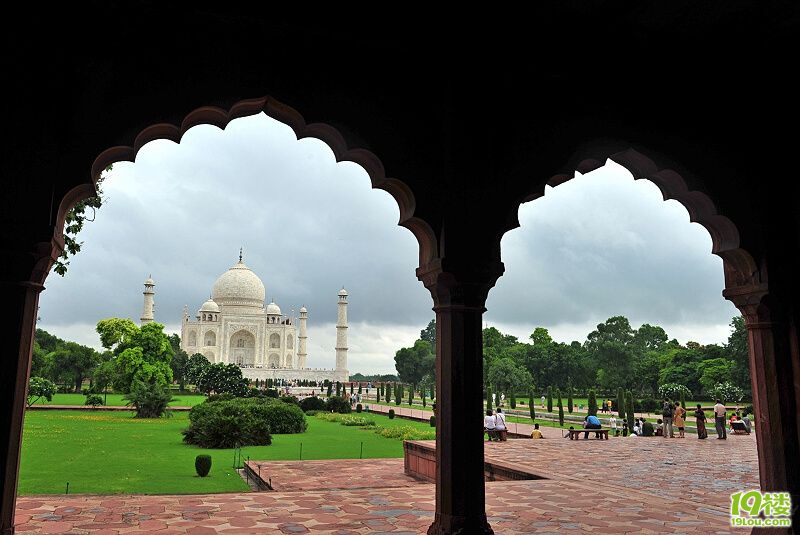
[(341, 333), (147, 313), (301, 339)]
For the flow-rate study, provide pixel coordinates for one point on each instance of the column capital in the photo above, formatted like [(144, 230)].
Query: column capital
[(749, 299), (462, 285)]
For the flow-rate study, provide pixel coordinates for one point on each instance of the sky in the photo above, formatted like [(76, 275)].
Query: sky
[(597, 246)]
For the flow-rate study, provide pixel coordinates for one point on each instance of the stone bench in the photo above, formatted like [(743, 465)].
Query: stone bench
[(573, 433)]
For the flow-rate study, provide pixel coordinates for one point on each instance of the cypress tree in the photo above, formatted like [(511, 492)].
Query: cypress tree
[(549, 399), (570, 405), (531, 407), (513, 399), (338, 388), (411, 396), (488, 398), (398, 393), (330, 389), (423, 397), (378, 395), (620, 404), (352, 388), (433, 390), (592, 402), (629, 409), (560, 409), (359, 387)]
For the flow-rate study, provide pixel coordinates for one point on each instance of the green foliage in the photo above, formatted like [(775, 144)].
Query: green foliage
[(241, 422), (592, 402), (179, 362), (94, 400), (202, 465), (513, 400), (292, 400), (71, 362), (222, 378), (560, 408), (549, 399), (405, 433), (330, 389), (141, 354), (621, 403), (398, 393), (629, 408), (338, 404), (411, 396), (432, 421), (358, 407), (489, 398), (149, 400), (378, 393), (423, 397), (428, 334), (737, 351), (359, 388), (38, 388), (312, 403), (507, 376), (338, 389), (648, 430), (414, 363), (391, 414), (532, 408), (569, 399)]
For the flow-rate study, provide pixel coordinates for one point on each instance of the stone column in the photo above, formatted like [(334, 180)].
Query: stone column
[(775, 373), (341, 335), (22, 274), (149, 295), (459, 305)]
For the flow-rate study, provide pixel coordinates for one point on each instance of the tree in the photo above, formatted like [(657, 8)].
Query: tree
[(549, 399), (149, 400), (141, 353), (38, 388), (411, 396), (398, 393), (378, 394), (560, 409), (507, 376), (413, 363), (195, 367), (569, 399), (222, 378), (532, 404), (513, 399), (73, 362), (611, 347), (649, 338), (359, 388), (673, 391), (726, 392), (621, 403), (737, 349), (73, 224), (629, 408), (592, 402), (103, 377), (330, 389), (428, 334), (179, 365), (488, 398)]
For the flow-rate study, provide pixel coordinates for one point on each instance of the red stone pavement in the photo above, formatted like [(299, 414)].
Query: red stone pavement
[(621, 485)]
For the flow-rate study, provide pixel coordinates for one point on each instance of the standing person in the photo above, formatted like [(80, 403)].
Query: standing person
[(679, 414), (719, 420), (666, 413), (500, 423), (612, 423), (608, 404), (489, 425), (543, 400), (701, 423)]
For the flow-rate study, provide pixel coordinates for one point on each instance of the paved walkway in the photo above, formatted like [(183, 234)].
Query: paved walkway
[(621, 485)]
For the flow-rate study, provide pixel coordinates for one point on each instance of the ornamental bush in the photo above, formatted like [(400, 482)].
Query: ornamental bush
[(312, 403), (202, 464), (432, 421), (241, 422), (647, 429), (358, 407), (149, 400), (291, 400), (391, 414), (94, 400), (592, 402), (337, 404)]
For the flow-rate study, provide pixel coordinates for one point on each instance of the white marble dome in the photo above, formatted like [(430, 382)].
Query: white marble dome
[(209, 306), (272, 308), (239, 286)]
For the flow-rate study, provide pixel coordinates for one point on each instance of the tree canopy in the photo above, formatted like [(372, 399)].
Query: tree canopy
[(140, 353)]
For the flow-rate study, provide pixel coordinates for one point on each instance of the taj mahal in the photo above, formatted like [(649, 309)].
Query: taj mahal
[(234, 326)]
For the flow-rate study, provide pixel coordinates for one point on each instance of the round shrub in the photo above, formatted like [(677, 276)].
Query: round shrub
[(391, 414), (202, 464), (241, 422), (433, 421), (94, 400), (291, 400), (647, 429), (312, 403), (358, 407), (338, 404)]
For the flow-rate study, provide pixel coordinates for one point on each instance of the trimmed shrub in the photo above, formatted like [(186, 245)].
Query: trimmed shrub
[(272, 393), (432, 421), (513, 399), (570, 405), (648, 430), (241, 422), (391, 414), (94, 400), (338, 404), (405, 433), (592, 402), (549, 399), (202, 465), (560, 408), (621, 403), (355, 421), (312, 403), (149, 400), (531, 406), (489, 398), (291, 400), (358, 407)]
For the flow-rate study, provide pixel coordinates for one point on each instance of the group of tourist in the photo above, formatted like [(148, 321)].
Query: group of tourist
[(494, 424)]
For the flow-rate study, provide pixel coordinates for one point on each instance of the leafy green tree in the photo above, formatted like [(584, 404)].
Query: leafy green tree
[(94, 400), (621, 403), (507, 376), (378, 394), (179, 365), (428, 334), (560, 409), (592, 402), (38, 360), (532, 404), (149, 400), (513, 399), (629, 408), (338, 389), (569, 399), (489, 398), (38, 388), (673, 391), (649, 338), (141, 353), (611, 346), (359, 388), (714, 371), (222, 378), (727, 392), (549, 399), (398, 393), (737, 349), (103, 377), (413, 363), (74, 362), (195, 367), (330, 389)]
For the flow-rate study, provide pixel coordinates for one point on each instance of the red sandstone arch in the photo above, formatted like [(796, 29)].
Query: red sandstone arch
[(220, 118), (739, 265)]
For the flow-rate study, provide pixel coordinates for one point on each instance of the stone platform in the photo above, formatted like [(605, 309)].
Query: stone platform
[(622, 485)]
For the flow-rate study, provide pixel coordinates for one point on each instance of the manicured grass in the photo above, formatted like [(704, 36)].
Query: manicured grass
[(181, 400), (111, 452)]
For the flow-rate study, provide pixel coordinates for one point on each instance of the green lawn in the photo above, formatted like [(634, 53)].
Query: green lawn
[(180, 400), (111, 452)]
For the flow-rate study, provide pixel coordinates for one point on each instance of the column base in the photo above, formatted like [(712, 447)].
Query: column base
[(460, 525)]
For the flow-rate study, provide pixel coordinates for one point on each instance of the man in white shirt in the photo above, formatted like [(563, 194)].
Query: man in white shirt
[(719, 420), (500, 423), (489, 425), (543, 399), (612, 423)]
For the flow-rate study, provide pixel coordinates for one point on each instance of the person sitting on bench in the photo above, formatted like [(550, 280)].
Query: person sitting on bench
[(536, 433), (746, 422), (591, 422), (489, 425), (738, 426)]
